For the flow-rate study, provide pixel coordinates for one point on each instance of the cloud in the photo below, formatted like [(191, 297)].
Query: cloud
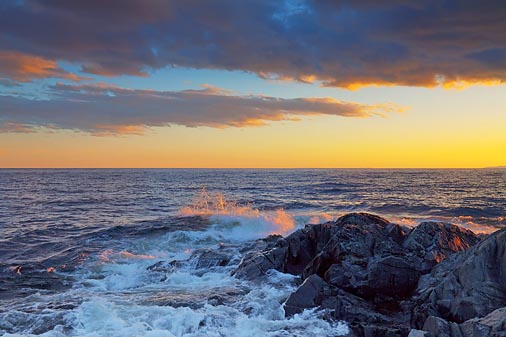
[(341, 43), (24, 68), (108, 110), (10, 127)]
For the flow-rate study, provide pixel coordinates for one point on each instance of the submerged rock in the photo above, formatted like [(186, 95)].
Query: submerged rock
[(199, 259), (207, 258)]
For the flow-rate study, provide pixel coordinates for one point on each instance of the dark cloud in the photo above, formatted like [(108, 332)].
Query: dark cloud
[(104, 109), (342, 43)]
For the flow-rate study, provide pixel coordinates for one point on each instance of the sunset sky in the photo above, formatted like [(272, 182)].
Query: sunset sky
[(261, 83)]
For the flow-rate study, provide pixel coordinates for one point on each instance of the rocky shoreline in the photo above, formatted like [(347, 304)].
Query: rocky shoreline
[(435, 279)]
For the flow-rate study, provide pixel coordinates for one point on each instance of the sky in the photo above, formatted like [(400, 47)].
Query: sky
[(267, 84)]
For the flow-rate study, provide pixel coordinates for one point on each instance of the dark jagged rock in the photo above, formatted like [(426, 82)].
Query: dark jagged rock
[(365, 270), (165, 266), (470, 284), (437, 326), (259, 264), (309, 295), (29, 279), (201, 260), (361, 253), (354, 309), (492, 325), (392, 275), (207, 258), (435, 241), (264, 254)]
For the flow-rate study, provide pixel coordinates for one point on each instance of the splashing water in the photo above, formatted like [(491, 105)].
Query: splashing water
[(251, 222), (207, 204)]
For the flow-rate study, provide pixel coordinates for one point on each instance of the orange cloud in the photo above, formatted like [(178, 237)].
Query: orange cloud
[(11, 127), (25, 68), (109, 130)]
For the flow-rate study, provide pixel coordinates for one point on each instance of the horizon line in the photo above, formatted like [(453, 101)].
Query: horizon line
[(250, 168)]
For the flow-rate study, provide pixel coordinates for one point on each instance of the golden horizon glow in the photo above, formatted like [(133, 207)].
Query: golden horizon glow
[(443, 129), (311, 143)]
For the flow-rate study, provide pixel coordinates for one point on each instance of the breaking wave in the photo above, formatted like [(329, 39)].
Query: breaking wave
[(244, 221)]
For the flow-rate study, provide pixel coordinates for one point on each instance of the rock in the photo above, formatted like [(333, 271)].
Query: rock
[(207, 258), (492, 325), (392, 276), (313, 249), (435, 241), (382, 331), (346, 275), (310, 294), (166, 266), (455, 330), (200, 259), (470, 284), (418, 333), (256, 265), (437, 326), (354, 310), (365, 270)]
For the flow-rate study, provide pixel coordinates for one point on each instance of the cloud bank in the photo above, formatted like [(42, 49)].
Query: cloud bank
[(341, 43), (108, 110)]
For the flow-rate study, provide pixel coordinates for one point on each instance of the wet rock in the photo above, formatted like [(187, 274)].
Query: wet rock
[(310, 294), (492, 325), (166, 266), (470, 284), (207, 258), (392, 276), (383, 331), (200, 259), (16, 281), (455, 330), (256, 265), (354, 310), (346, 275), (365, 270), (435, 241), (437, 326), (418, 333)]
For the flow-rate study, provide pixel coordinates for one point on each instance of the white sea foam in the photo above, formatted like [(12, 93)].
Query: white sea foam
[(124, 298), (259, 312)]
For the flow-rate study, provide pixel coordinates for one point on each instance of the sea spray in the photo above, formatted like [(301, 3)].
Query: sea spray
[(250, 223)]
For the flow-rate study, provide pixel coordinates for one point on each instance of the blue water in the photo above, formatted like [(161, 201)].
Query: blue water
[(80, 223)]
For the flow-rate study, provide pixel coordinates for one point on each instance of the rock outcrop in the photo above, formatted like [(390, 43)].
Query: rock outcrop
[(310, 294), (492, 325), (388, 280), (467, 285)]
